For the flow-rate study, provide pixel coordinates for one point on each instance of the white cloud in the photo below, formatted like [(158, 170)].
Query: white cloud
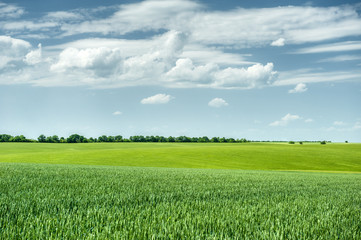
[(314, 76), (116, 113), (257, 75), (14, 26), (285, 120), (301, 87), (217, 103), (10, 11), (194, 51), (238, 27), (308, 120), (155, 15), (121, 63), (34, 57), (338, 123), (332, 47), (102, 61), (278, 43), (63, 15), (157, 99), (341, 58), (12, 50)]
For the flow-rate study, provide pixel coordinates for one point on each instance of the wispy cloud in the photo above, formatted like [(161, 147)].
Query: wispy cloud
[(333, 47), (341, 58), (314, 76)]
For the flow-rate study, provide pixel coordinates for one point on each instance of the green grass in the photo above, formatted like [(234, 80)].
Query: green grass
[(260, 156), (48, 201), (180, 191)]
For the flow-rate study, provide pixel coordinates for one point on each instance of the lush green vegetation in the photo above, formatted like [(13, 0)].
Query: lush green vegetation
[(76, 138), (42, 201), (263, 156), (150, 191)]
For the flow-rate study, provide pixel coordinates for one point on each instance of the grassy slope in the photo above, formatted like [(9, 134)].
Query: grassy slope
[(262, 156)]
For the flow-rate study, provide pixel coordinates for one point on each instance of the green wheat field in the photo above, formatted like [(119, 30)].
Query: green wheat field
[(180, 191)]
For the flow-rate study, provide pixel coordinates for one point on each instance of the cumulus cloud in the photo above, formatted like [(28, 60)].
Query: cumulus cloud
[(285, 120), (254, 76), (159, 64), (12, 50), (186, 53), (103, 61), (160, 98), (217, 103), (33, 57), (116, 113), (278, 43), (301, 87)]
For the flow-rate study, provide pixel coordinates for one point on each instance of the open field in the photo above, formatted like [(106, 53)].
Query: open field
[(47, 201), (253, 156), (179, 191)]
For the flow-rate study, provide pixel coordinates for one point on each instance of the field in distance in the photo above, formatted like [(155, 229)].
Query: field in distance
[(253, 156)]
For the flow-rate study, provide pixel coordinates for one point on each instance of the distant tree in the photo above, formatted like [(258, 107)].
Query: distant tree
[(222, 140), (118, 138), (42, 138), (5, 138), (20, 138), (214, 139), (231, 140), (203, 139), (323, 142), (291, 142), (346, 141), (103, 138), (301, 143), (111, 139), (55, 139), (75, 138), (170, 139)]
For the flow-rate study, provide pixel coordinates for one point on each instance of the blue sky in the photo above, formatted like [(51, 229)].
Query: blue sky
[(261, 70)]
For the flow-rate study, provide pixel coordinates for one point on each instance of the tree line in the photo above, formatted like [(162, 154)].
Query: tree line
[(76, 138)]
